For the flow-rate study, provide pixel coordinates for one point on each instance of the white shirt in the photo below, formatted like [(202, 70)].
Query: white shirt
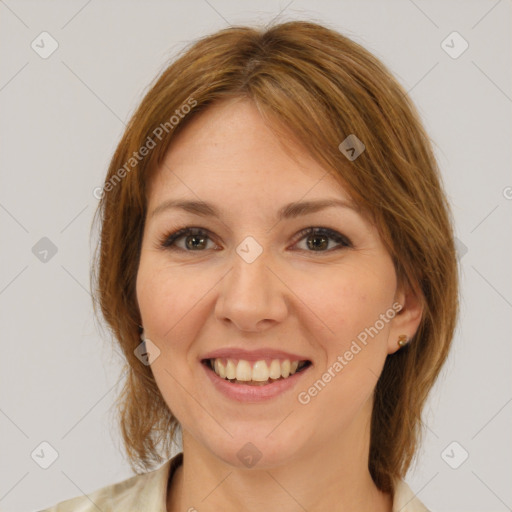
[(147, 492)]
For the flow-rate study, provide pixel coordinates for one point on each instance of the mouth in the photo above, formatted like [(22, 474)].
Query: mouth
[(255, 373)]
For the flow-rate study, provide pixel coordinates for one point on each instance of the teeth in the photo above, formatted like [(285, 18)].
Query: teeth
[(219, 368), (230, 369), (243, 371), (285, 368), (259, 371), (275, 369)]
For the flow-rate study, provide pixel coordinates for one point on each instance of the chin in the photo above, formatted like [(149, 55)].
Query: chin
[(255, 449)]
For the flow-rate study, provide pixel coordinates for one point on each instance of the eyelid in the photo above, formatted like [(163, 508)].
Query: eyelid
[(167, 241), (169, 237), (330, 233)]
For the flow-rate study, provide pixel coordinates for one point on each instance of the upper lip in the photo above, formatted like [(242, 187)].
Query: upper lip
[(252, 355)]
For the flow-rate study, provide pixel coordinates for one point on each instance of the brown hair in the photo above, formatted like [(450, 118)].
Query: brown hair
[(322, 87)]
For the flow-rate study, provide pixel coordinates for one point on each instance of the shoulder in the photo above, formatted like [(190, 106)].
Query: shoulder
[(405, 500), (145, 492)]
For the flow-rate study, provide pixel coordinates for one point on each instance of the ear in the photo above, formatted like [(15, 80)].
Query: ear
[(408, 319)]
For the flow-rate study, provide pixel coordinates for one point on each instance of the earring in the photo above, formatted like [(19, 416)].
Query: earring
[(402, 340), (142, 333)]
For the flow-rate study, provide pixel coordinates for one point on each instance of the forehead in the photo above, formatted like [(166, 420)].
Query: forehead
[(229, 149)]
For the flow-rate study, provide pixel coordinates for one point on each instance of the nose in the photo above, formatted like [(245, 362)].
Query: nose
[(252, 295)]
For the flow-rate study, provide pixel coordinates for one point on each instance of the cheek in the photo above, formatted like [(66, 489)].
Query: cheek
[(171, 303), (352, 298), (355, 344), (166, 307), (163, 295)]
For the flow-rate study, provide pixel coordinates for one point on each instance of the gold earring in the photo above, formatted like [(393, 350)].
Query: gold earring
[(402, 340)]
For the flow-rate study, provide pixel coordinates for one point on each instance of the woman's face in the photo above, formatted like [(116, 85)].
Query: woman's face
[(248, 290)]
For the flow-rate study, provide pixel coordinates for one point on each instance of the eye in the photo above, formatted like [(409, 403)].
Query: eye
[(194, 238), (317, 239)]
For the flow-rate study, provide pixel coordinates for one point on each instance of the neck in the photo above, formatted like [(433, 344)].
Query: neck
[(330, 476)]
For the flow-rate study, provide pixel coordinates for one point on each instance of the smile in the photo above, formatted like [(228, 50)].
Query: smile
[(254, 373)]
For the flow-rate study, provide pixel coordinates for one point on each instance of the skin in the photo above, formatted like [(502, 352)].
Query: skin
[(306, 301)]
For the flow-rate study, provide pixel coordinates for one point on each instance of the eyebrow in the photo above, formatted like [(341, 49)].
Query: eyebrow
[(288, 211)]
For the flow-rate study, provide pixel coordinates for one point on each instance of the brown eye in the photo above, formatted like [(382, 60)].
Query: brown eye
[(317, 239), (195, 238)]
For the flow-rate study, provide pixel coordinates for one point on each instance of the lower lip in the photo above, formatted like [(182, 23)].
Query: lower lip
[(248, 393)]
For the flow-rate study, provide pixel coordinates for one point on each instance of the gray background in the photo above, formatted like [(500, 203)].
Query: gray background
[(61, 118)]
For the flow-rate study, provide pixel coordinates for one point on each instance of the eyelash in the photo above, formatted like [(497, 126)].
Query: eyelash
[(169, 240)]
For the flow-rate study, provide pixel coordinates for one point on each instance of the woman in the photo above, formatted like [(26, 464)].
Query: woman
[(274, 229)]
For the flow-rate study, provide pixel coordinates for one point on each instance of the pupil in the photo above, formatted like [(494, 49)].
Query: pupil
[(195, 237), (315, 245), (312, 245)]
